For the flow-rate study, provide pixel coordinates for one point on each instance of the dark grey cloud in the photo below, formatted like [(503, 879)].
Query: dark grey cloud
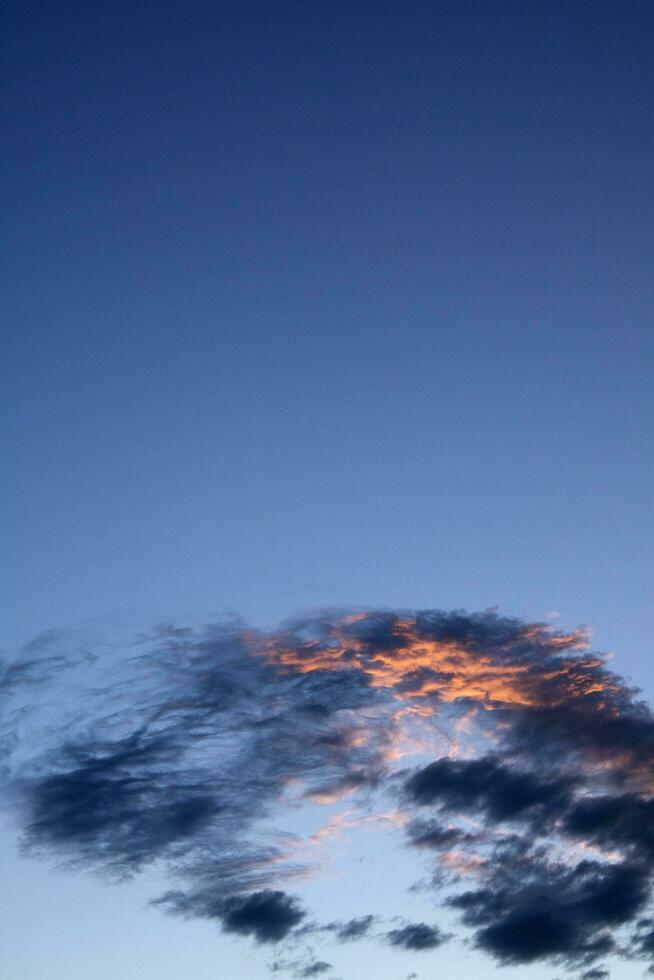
[(417, 937), (486, 786), (531, 908), (623, 821), (268, 915), (642, 941), (352, 929), (315, 969), (117, 803), (177, 748), (432, 834), (307, 966)]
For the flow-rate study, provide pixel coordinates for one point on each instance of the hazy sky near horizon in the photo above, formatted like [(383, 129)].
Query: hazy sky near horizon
[(319, 304)]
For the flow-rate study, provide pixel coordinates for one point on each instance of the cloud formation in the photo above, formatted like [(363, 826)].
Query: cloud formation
[(505, 753), (352, 929), (267, 915), (417, 937)]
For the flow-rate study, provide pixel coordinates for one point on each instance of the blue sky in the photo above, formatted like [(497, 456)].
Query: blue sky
[(319, 304)]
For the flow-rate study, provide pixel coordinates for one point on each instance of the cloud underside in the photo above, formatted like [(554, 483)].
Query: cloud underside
[(521, 769)]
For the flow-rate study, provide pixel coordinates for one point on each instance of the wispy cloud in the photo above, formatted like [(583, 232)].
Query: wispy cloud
[(532, 775)]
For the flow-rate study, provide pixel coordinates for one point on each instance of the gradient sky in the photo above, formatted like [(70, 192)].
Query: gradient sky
[(317, 304)]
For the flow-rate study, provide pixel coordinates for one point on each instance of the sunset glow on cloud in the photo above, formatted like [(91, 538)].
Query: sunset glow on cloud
[(504, 755)]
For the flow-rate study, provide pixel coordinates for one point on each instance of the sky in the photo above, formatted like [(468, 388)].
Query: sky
[(319, 306)]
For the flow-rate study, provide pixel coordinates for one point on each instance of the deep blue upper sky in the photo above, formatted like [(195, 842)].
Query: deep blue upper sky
[(325, 302)]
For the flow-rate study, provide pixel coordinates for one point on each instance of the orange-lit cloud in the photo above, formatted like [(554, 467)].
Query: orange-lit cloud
[(504, 754)]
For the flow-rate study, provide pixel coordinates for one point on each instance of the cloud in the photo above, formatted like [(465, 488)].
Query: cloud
[(315, 969), (416, 937), (433, 835), (301, 968), (623, 821), (504, 752), (352, 929), (117, 802), (485, 785), (531, 908), (268, 916)]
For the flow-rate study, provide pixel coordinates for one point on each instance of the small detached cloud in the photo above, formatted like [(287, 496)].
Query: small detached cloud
[(416, 937), (301, 968), (268, 916), (351, 929), (315, 969)]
